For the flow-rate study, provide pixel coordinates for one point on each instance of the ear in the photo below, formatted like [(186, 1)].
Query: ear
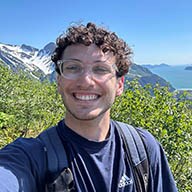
[(120, 86)]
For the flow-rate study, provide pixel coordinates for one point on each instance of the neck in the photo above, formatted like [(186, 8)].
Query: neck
[(95, 130)]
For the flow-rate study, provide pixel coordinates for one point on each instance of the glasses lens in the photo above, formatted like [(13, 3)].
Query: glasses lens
[(71, 69)]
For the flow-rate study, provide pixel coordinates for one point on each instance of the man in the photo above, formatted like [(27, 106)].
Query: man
[(90, 63)]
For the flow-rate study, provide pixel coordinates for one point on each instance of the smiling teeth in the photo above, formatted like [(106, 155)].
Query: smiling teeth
[(86, 97)]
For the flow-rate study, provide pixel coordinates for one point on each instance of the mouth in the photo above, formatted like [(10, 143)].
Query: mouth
[(86, 97)]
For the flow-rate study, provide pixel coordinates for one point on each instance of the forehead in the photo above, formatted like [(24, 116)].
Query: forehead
[(87, 54)]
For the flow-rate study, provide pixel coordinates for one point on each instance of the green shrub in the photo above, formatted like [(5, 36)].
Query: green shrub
[(33, 105)]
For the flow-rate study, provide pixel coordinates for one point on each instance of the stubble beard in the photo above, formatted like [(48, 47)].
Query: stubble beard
[(87, 117), (69, 112)]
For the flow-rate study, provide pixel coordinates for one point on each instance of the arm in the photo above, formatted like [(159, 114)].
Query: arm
[(8, 181), (22, 166)]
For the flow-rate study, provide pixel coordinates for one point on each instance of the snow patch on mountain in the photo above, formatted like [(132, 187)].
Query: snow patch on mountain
[(28, 58)]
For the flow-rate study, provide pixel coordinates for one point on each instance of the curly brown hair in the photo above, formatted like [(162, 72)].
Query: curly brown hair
[(104, 39)]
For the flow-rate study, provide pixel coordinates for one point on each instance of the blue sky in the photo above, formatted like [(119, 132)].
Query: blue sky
[(158, 31)]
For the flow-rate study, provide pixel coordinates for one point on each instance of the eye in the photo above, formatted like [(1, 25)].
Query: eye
[(101, 69), (71, 67)]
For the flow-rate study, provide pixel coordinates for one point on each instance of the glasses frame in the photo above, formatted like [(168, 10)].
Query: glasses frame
[(84, 69)]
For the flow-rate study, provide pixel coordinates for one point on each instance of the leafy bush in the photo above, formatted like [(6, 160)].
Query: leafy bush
[(33, 105)]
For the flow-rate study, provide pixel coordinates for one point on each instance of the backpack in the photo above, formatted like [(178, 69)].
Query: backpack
[(135, 153)]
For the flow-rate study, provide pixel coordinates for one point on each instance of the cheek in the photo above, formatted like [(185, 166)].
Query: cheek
[(64, 86), (60, 85)]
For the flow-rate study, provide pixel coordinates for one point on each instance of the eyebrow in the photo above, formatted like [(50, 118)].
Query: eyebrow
[(74, 59)]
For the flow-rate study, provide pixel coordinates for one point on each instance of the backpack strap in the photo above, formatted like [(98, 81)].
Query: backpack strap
[(60, 177), (56, 154), (136, 154)]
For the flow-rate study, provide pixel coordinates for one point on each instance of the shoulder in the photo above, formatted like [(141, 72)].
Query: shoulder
[(27, 151), (25, 145), (156, 155), (161, 175), (153, 146), (149, 140), (24, 159)]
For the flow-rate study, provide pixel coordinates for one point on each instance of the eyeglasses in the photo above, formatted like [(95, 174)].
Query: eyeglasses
[(73, 69)]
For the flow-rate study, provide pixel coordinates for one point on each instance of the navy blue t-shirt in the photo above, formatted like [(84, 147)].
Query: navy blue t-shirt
[(96, 166)]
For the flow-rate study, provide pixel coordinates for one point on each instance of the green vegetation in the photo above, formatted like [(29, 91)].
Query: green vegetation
[(28, 106)]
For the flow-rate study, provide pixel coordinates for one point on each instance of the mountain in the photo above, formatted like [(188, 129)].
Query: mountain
[(39, 65), (145, 76), (26, 58), (188, 68), (149, 66)]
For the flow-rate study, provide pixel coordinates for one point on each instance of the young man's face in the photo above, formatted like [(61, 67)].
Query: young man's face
[(89, 95)]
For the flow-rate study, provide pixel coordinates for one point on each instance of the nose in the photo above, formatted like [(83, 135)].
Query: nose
[(86, 79)]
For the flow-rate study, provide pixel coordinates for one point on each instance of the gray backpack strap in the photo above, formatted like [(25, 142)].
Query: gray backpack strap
[(60, 177), (56, 154), (136, 154)]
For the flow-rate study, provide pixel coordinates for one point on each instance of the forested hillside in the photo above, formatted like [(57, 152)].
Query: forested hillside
[(28, 106)]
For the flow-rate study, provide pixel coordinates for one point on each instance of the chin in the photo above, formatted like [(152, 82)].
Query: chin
[(85, 117)]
